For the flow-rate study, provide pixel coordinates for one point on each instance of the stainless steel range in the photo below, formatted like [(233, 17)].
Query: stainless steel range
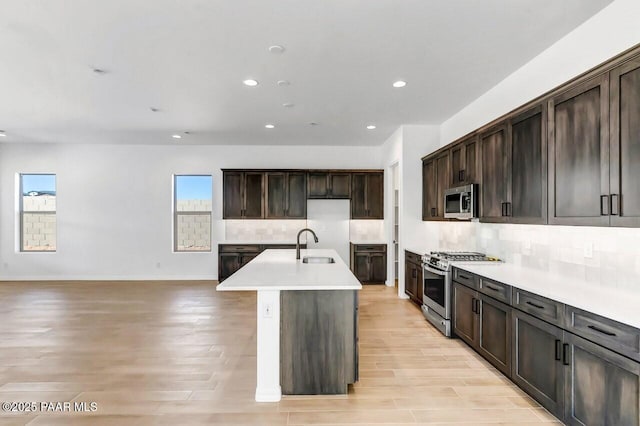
[(437, 282)]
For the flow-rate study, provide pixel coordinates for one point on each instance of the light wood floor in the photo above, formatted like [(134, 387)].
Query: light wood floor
[(179, 353)]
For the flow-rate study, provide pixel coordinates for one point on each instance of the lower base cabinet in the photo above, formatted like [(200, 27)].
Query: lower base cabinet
[(578, 381), (369, 262), (413, 285), (232, 257)]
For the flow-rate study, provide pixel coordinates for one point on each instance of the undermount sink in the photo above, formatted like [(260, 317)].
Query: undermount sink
[(318, 259)]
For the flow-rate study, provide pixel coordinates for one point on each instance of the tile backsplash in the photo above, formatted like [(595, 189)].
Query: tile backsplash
[(364, 231), (263, 230), (608, 256)]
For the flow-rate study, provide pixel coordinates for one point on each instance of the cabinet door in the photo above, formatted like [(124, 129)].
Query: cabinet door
[(429, 190), (246, 258), (528, 152), (465, 324), (339, 185), (458, 162), (375, 196), (494, 339), (276, 195), (378, 267), (318, 185), (443, 178), (537, 361), (296, 183), (464, 162), (359, 196), (253, 195), (361, 267), (410, 280), (228, 263), (625, 144), (232, 189), (579, 155), (419, 284), (495, 175), (602, 387), (470, 171)]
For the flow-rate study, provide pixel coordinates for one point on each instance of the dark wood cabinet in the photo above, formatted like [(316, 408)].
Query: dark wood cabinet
[(495, 187), (579, 155), (232, 257), (464, 162), (243, 195), (369, 263), (329, 184), (625, 145), (537, 361), (602, 388), (413, 286), (286, 195), (436, 178), (484, 324), (367, 195)]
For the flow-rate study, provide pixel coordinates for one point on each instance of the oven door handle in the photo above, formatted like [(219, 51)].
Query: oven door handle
[(433, 270)]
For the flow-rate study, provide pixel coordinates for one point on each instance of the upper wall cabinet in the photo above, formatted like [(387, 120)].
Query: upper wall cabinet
[(464, 162), (579, 155), (625, 145), (329, 184), (367, 195), (514, 174), (242, 195), (436, 178), (286, 195)]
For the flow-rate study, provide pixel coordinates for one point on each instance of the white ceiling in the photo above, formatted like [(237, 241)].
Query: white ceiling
[(188, 58)]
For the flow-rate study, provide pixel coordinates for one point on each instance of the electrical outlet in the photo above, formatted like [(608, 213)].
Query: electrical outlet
[(267, 310), (588, 250)]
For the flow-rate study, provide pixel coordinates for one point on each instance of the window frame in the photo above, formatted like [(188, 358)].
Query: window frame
[(177, 213), (22, 211)]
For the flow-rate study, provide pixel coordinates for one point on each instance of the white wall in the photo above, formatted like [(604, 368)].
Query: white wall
[(120, 196)]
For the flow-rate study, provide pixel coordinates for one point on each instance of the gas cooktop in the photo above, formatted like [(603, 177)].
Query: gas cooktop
[(467, 256)]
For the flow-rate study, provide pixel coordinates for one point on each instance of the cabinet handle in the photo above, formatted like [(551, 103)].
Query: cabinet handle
[(477, 306), (565, 354), (504, 209), (615, 204), (415, 273), (534, 305), (490, 287), (599, 330), (433, 212), (464, 277), (463, 173), (509, 210), (558, 350), (604, 205), (473, 305)]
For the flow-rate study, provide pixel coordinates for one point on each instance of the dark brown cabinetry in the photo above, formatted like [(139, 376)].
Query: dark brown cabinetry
[(436, 178), (369, 263), (494, 200), (242, 195), (464, 162), (329, 184), (624, 162), (484, 324), (579, 155), (232, 257), (286, 195), (413, 285), (367, 199)]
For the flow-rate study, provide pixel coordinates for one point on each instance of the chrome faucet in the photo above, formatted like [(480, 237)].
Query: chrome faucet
[(298, 241)]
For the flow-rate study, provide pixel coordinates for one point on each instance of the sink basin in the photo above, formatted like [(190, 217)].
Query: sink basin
[(318, 259)]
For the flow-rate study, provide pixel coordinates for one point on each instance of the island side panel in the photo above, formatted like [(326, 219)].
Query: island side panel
[(318, 341)]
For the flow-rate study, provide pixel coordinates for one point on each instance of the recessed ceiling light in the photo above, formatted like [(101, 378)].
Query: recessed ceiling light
[(283, 83), (176, 136), (269, 126), (154, 109), (99, 71), (250, 82), (371, 127), (276, 48), (399, 83), (313, 123), (288, 105)]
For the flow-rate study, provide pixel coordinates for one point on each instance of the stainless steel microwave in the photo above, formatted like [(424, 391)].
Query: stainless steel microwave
[(460, 202)]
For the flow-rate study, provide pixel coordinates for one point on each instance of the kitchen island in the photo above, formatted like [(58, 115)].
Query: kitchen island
[(307, 321)]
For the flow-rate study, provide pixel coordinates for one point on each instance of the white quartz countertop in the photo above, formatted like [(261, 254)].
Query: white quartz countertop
[(279, 270), (259, 243), (617, 304)]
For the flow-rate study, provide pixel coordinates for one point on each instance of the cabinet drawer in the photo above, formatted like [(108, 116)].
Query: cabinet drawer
[(283, 246), (466, 278), (495, 289), (232, 248), (370, 247), (613, 335), (412, 257), (538, 306)]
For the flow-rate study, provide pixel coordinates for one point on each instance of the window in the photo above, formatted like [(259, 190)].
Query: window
[(192, 217), (37, 212)]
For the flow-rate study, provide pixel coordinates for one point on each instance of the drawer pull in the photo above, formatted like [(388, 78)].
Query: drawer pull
[(493, 288), (534, 305), (558, 350), (565, 354), (464, 277), (599, 330)]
